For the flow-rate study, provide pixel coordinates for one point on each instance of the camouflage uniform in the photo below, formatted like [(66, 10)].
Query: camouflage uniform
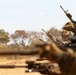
[(70, 28)]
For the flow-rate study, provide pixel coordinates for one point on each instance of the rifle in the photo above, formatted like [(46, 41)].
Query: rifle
[(55, 40), (42, 68), (32, 66), (42, 40), (69, 16)]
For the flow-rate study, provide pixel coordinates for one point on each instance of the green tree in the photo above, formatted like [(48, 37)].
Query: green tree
[(4, 36)]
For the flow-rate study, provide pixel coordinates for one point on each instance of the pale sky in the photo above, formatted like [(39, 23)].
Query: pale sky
[(34, 14)]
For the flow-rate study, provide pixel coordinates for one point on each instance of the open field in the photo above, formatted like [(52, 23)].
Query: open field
[(15, 71)]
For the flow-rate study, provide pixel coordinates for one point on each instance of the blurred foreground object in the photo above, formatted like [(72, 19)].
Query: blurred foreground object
[(65, 59)]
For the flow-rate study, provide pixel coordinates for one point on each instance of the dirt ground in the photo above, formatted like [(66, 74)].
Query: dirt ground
[(19, 61), (15, 71)]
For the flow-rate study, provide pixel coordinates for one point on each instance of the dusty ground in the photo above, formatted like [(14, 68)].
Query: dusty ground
[(16, 71), (18, 61)]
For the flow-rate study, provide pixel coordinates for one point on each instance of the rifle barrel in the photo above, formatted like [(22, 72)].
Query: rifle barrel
[(63, 9), (69, 16), (12, 66), (18, 52)]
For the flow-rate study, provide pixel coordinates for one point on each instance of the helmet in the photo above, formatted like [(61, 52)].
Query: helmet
[(68, 26)]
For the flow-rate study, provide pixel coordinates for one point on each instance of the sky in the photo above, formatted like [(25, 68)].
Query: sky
[(34, 15)]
